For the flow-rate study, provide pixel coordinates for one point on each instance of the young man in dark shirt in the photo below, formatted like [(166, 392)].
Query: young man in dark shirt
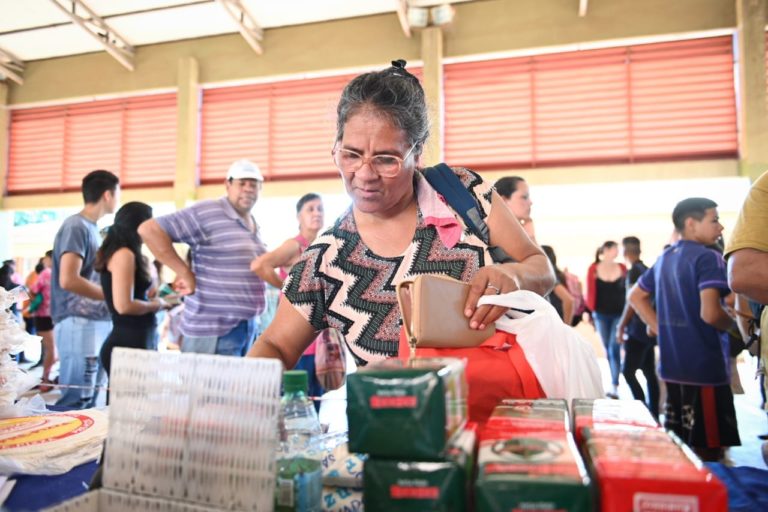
[(632, 333)]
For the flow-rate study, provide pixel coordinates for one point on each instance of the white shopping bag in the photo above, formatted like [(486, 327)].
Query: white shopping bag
[(563, 361)]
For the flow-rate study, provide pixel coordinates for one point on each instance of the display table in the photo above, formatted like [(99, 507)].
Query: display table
[(34, 492)]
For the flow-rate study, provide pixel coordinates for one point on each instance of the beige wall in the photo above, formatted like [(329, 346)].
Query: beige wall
[(480, 27), (503, 25), (320, 47)]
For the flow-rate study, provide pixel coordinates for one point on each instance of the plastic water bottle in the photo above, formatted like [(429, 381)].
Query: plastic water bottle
[(299, 470)]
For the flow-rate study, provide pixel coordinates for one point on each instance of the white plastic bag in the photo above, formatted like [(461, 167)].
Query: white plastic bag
[(564, 363)]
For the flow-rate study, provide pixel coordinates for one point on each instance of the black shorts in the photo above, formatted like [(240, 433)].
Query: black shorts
[(43, 323), (702, 416)]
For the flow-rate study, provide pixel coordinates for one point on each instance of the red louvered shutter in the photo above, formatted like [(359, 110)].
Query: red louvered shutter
[(234, 124), (304, 126), (488, 113), (36, 156), (52, 148), (683, 99), (580, 107), (93, 136), (149, 142), (646, 102)]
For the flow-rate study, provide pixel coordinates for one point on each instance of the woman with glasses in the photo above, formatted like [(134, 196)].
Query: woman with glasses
[(397, 227)]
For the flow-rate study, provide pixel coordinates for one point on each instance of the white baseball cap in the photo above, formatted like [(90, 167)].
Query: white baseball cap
[(244, 170)]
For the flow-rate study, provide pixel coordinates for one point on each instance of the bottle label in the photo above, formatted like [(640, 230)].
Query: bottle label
[(285, 493)]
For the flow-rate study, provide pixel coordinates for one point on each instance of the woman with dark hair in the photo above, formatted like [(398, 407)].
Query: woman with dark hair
[(606, 294), (125, 278), (274, 266), (560, 297), (516, 195), (396, 228)]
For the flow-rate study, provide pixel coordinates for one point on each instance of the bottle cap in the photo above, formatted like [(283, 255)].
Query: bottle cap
[(295, 380)]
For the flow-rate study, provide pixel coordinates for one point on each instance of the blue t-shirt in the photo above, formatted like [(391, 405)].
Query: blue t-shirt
[(80, 236), (691, 351)]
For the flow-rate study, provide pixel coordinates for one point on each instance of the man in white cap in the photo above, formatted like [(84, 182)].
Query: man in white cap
[(223, 297)]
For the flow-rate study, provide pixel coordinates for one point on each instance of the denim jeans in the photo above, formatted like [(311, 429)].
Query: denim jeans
[(79, 341), (236, 342), (606, 327)]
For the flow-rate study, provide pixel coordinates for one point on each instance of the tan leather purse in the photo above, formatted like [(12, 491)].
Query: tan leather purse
[(432, 307)]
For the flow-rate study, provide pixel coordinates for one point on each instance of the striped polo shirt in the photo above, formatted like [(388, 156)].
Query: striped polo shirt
[(226, 292)]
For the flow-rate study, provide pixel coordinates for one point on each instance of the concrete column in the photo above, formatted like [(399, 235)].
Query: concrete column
[(753, 114), (432, 55), (5, 116), (6, 242), (187, 123)]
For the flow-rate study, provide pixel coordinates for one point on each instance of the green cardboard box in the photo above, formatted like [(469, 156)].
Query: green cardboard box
[(406, 410), (539, 471), (391, 485)]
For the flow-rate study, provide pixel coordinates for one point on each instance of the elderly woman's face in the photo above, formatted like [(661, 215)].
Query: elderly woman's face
[(312, 215), (371, 134)]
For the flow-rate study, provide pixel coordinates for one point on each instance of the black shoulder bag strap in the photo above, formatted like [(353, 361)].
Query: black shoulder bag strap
[(447, 184)]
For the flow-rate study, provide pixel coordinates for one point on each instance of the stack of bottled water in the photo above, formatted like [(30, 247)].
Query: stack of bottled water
[(299, 470)]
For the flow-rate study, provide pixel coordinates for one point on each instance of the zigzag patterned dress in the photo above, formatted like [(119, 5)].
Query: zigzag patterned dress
[(339, 282)]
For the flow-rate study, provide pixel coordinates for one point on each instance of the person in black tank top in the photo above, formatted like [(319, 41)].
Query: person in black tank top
[(607, 295), (125, 279)]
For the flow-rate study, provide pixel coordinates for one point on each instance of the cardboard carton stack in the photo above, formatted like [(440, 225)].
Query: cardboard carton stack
[(528, 460), (639, 466), (410, 419)]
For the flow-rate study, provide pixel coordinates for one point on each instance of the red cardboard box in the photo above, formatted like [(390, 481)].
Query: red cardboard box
[(647, 470)]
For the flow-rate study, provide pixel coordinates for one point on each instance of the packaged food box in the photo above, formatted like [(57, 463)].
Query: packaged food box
[(406, 410), (588, 413), (539, 470), (650, 470), (531, 415), (421, 486)]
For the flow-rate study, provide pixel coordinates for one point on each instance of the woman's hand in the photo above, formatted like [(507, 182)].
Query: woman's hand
[(158, 304), (490, 280)]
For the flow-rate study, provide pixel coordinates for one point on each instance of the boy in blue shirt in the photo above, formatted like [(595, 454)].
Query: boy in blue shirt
[(689, 281)]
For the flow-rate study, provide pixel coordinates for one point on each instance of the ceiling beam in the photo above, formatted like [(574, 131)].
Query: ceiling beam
[(96, 27), (583, 8), (11, 66), (402, 16), (246, 23)]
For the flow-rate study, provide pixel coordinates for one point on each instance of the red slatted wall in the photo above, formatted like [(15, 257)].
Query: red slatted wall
[(646, 102), (52, 148)]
